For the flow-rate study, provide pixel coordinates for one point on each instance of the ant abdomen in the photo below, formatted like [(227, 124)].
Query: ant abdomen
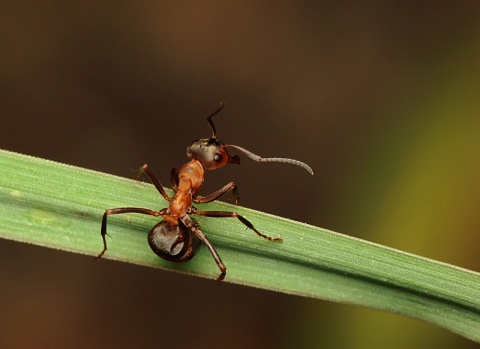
[(173, 243)]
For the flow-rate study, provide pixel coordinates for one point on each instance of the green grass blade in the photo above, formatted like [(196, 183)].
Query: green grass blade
[(60, 206)]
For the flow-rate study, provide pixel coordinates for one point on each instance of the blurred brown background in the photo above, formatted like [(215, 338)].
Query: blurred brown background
[(380, 98)]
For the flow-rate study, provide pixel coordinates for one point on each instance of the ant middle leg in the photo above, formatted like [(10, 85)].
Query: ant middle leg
[(219, 193), (120, 210), (226, 214), (154, 179)]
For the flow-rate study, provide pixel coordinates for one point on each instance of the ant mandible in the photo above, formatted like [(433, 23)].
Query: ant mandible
[(177, 238)]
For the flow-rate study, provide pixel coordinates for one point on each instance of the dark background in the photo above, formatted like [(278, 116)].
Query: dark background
[(380, 98)]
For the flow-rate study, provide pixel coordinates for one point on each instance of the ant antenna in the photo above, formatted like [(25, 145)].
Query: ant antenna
[(209, 119), (260, 159)]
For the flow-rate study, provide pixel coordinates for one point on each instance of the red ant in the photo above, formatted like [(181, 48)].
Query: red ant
[(177, 238)]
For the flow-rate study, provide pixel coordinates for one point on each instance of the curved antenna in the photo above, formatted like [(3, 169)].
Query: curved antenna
[(209, 119), (260, 159)]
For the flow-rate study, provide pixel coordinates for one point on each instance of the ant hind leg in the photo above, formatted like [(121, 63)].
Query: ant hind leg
[(187, 221), (120, 210)]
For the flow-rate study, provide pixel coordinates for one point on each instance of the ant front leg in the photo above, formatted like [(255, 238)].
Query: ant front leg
[(225, 214), (153, 178), (219, 193), (121, 210), (187, 221), (174, 179)]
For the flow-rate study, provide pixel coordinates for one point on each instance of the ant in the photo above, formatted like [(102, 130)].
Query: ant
[(177, 238)]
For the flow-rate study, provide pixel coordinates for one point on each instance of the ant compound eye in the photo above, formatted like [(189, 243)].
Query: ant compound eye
[(218, 158)]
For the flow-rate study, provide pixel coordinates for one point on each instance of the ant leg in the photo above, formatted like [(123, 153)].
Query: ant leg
[(217, 194), (225, 214), (153, 178), (174, 178), (187, 221), (103, 230)]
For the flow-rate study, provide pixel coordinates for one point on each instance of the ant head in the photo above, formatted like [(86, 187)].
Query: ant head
[(213, 154)]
